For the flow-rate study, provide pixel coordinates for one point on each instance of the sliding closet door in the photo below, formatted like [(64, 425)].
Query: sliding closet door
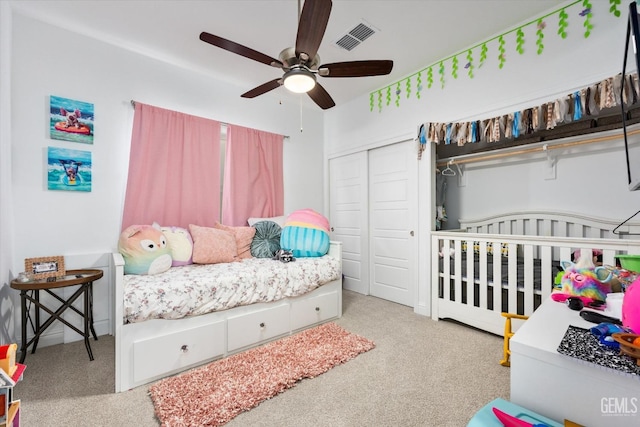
[(349, 217), (393, 220)]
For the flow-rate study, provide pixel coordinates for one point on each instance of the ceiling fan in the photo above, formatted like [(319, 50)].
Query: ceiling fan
[(301, 63)]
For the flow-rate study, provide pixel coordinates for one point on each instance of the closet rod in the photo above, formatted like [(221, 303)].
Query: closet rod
[(133, 104), (480, 157)]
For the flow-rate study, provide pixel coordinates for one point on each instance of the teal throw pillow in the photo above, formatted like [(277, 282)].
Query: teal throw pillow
[(266, 241)]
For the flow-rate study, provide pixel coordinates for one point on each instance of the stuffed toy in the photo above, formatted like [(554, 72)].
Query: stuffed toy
[(144, 249), (284, 256), (584, 279), (181, 244)]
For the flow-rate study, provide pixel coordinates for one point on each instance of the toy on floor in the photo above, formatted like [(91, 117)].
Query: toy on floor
[(10, 374), (511, 421), (508, 333), (8, 358), (487, 417)]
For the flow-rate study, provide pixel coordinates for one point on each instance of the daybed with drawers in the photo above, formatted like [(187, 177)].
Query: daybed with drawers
[(189, 315)]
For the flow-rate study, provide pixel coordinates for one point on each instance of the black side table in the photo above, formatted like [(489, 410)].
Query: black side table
[(30, 291)]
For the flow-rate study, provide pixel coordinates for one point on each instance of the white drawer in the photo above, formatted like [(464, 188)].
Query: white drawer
[(314, 310), (249, 329), (167, 353)]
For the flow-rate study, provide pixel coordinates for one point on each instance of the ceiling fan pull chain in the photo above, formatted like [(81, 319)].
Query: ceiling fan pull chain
[(300, 97)]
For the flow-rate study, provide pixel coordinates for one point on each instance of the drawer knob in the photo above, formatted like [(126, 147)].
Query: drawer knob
[(317, 308), (262, 325), (184, 348)]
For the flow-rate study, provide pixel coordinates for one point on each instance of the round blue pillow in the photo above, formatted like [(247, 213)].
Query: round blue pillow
[(266, 241)]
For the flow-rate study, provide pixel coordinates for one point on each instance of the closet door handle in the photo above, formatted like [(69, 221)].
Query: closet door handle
[(331, 228), (411, 233)]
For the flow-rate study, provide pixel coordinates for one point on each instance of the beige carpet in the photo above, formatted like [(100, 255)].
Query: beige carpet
[(421, 373)]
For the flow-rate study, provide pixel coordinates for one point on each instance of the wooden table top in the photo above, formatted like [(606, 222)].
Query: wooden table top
[(71, 278)]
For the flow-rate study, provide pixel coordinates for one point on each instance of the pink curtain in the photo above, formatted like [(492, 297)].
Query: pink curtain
[(174, 169), (253, 184)]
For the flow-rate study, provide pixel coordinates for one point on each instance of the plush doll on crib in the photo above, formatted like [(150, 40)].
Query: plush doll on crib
[(584, 279), (144, 249)]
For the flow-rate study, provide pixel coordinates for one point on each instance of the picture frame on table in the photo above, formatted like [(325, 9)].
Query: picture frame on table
[(45, 267)]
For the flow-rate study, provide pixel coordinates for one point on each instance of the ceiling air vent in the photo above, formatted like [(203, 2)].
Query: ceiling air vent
[(354, 37)]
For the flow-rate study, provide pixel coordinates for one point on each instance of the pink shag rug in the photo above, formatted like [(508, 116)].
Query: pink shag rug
[(214, 394)]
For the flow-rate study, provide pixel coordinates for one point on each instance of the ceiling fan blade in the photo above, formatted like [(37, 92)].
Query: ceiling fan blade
[(321, 97), (356, 68), (313, 23), (239, 49), (263, 88)]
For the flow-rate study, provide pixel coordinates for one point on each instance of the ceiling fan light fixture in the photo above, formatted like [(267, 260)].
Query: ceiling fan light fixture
[(299, 80)]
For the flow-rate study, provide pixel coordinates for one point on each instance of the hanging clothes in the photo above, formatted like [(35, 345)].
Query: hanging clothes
[(441, 190)]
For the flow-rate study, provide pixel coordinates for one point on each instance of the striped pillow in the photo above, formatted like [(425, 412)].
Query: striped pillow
[(304, 242), (306, 234)]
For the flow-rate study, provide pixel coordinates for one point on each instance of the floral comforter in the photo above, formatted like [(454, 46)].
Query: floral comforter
[(198, 289)]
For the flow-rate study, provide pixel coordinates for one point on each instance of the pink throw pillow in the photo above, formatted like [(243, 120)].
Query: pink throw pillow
[(244, 237), (212, 245)]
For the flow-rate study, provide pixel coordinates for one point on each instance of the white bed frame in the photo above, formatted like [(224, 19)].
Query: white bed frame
[(548, 236), (150, 350)]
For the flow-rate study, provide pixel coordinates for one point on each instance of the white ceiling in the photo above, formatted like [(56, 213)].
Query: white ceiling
[(414, 34)]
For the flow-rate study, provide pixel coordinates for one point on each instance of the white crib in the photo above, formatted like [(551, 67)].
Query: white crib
[(528, 249)]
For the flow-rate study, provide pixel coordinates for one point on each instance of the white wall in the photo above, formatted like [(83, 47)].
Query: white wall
[(6, 213), (589, 180), (48, 60)]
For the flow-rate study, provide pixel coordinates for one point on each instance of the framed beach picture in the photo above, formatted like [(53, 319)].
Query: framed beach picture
[(70, 120), (68, 170)]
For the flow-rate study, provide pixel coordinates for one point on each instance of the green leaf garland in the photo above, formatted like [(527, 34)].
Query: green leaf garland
[(454, 67), (614, 7), (470, 63), (520, 41), (586, 12), (540, 35), (501, 49), (483, 53), (563, 24)]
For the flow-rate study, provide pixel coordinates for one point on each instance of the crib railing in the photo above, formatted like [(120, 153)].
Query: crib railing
[(468, 269)]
